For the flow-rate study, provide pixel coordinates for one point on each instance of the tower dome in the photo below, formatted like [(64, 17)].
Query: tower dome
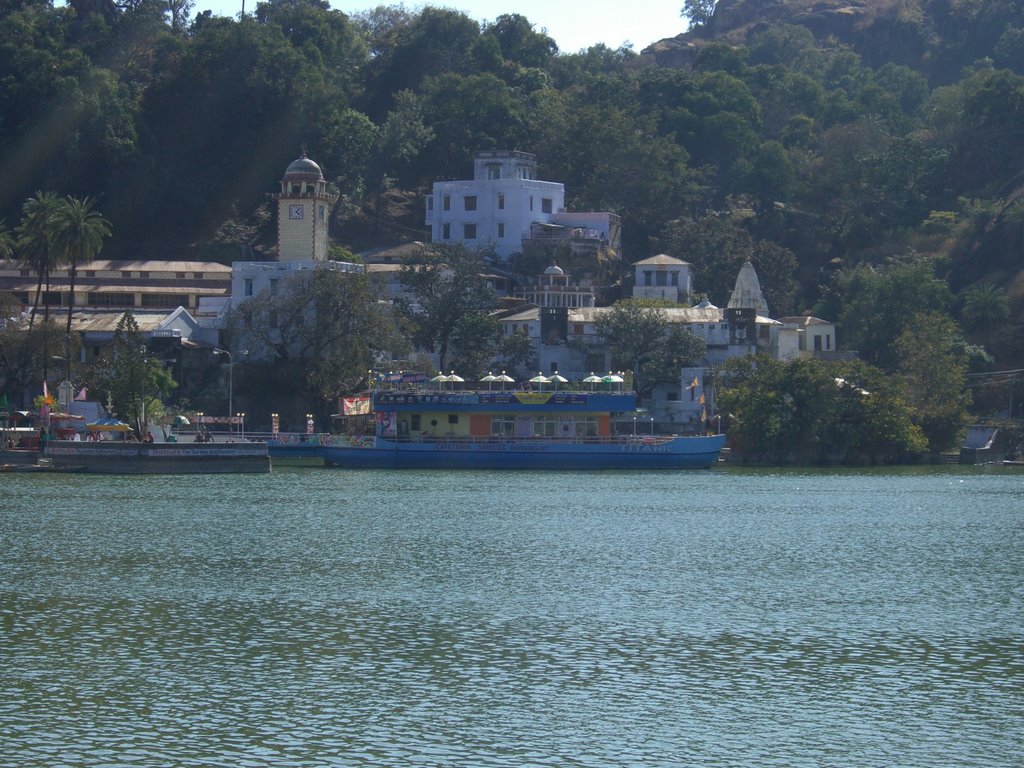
[(304, 169), (554, 269)]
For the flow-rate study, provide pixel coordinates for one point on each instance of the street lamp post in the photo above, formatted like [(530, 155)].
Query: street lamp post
[(231, 381), (143, 429)]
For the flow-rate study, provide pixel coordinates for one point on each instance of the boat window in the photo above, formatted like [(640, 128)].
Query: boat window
[(453, 418)]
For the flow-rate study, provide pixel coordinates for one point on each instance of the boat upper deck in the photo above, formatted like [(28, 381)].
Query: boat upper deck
[(517, 401)]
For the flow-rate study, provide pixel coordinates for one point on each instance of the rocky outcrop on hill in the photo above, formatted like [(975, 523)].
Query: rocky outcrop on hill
[(880, 30)]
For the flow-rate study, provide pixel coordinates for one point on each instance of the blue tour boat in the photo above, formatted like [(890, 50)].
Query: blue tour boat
[(567, 430)]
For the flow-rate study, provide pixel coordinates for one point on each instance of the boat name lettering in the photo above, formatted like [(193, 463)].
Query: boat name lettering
[(640, 448)]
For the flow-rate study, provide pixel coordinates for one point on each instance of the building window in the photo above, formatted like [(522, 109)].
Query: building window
[(501, 201), (273, 286), (248, 286), (163, 300), (323, 213), (648, 277), (112, 299), (675, 279), (90, 273), (469, 231), (179, 275), (531, 202), (470, 202), (545, 205), (126, 275), (197, 275), (817, 343), (493, 172), (447, 203), (661, 278), (577, 329), (446, 231), (501, 229), (430, 203), (828, 343)]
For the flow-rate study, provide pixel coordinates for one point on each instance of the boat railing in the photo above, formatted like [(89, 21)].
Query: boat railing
[(513, 440)]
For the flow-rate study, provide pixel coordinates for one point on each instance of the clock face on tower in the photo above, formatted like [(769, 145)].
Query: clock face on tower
[(294, 211)]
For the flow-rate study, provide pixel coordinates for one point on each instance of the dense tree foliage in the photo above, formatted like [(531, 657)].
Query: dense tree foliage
[(447, 292), (318, 335), (933, 365), (134, 381), (811, 412), (641, 340)]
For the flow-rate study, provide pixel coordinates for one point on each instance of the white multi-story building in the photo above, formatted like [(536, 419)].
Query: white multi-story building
[(663, 277), (504, 207)]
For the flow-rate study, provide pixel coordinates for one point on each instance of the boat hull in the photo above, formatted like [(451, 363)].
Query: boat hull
[(674, 453), (117, 458)]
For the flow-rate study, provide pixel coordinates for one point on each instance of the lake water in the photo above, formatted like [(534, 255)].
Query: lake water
[(332, 618)]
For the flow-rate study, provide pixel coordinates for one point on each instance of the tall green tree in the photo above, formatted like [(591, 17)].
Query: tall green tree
[(7, 241), (446, 284), (316, 337), (985, 306), (135, 380), (77, 234), (640, 338), (878, 303), (474, 343), (35, 244), (698, 12), (933, 364), (22, 357)]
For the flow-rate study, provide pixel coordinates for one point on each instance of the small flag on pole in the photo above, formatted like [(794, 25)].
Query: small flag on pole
[(46, 392), (694, 384), (81, 394)]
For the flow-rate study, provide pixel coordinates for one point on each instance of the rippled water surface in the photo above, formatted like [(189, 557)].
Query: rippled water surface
[(330, 618)]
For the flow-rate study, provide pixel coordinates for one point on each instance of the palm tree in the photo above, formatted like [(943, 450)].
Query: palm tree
[(77, 231), (984, 306), (35, 246), (6, 240)]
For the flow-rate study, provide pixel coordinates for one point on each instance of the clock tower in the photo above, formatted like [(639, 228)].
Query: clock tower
[(303, 212)]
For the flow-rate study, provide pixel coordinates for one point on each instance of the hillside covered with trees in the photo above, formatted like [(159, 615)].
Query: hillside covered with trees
[(867, 157)]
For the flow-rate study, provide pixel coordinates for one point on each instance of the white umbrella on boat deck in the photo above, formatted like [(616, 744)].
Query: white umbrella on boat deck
[(556, 379), (490, 378), (504, 379), (439, 379), (592, 380), (541, 380), (613, 378), (454, 378)]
